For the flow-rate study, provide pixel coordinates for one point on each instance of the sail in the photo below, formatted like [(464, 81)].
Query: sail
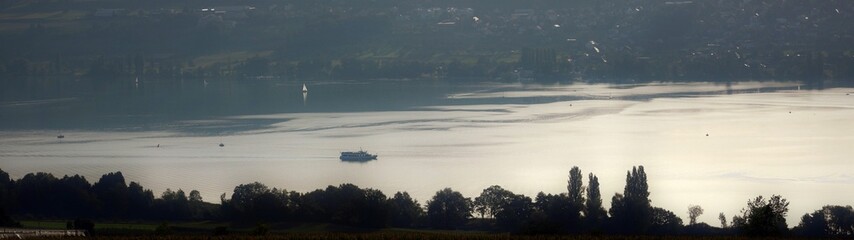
[(304, 89)]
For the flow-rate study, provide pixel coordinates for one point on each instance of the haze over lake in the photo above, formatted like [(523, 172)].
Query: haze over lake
[(715, 145)]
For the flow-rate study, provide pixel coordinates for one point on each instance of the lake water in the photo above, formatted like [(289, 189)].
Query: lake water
[(763, 138)]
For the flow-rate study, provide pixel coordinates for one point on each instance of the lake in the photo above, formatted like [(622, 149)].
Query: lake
[(714, 145)]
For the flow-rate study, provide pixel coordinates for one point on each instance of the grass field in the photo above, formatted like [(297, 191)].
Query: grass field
[(204, 230), (129, 226)]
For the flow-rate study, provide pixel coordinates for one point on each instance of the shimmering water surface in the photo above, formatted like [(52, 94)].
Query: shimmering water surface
[(763, 138)]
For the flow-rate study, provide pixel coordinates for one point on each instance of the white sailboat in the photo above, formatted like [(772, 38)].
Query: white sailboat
[(304, 89)]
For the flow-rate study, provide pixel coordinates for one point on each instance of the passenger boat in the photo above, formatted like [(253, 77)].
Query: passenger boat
[(357, 156)]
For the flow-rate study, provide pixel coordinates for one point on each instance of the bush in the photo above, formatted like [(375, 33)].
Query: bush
[(260, 230), (163, 229), (220, 231)]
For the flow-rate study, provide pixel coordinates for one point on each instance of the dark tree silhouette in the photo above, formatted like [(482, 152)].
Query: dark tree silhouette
[(36, 194), (829, 221), (513, 215), (594, 213), (664, 222), (763, 217), (75, 197), (490, 200), (255, 201), (172, 205), (575, 187), (694, 211), (631, 212), (195, 196), (6, 197), (43, 195), (448, 209), (140, 201), (112, 191), (346, 204), (553, 214), (403, 210)]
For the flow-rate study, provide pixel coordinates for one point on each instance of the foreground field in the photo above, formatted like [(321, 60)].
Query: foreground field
[(409, 235), (206, 230)]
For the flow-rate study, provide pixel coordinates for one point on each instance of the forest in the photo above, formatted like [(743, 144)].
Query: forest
[(580, 210)]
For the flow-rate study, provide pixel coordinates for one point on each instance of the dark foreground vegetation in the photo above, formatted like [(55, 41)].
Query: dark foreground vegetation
[(255, 209)]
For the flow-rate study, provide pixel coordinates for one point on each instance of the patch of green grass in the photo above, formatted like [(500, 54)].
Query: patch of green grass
[(126, 226), (52, 224), (131, 226)]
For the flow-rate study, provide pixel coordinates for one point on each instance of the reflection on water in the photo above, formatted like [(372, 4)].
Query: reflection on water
[(711, 145)]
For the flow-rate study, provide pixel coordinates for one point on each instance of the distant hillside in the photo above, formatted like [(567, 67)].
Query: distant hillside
[(581, 39)]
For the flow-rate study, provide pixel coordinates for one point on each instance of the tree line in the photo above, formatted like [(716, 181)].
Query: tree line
[(580, 210)]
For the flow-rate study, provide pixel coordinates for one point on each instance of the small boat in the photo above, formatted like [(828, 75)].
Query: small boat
[(359, 156), (221, 145), (304, 89), (60, 136)]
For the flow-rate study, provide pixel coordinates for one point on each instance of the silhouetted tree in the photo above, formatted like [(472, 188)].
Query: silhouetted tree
[(255, 201), (829, 221), (594, 213), (664, 222), (491, 200), (575, 187), (694, 211), (6, 200), (840, 220), (448, 209), (75, 197), (6, 197), (514, 214), (403, 210), (173, 205), (36, 194), (722, 218), (140, 201), (631, 212), (346, 204), (553, 214), (195, 196), (112, 191), (764, 217), (374, 209)]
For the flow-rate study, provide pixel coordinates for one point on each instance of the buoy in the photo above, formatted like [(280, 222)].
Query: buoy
[(707, 134)]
